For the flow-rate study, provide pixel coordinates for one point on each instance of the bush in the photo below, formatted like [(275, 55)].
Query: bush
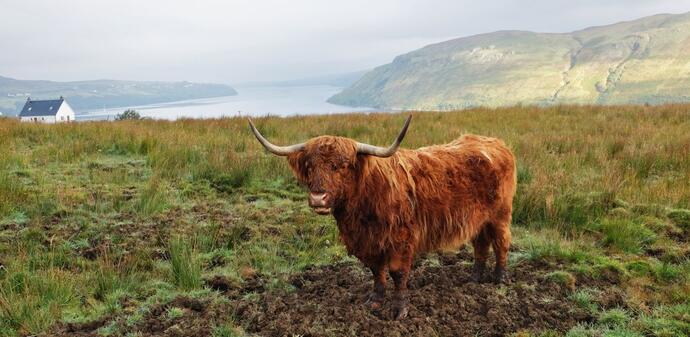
[(129, 114)]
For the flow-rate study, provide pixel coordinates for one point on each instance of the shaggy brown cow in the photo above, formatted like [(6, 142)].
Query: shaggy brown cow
[(391, 204)]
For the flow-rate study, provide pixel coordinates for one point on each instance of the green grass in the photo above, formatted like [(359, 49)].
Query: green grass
[(105, 218), (173, 312), (624, 234), (227, 331), (153, 198), (585, 299), (614, 317), (563, 278), (680, 217), (186, 267)]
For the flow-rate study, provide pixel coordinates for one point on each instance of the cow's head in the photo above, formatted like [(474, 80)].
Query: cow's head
[(328, 165)]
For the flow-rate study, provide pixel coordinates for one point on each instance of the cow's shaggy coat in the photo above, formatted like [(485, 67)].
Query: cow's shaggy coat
[(437, 197), (433, 198)]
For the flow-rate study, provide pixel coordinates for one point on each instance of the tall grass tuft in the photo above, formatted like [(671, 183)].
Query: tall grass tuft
[(153, 197), (186, 266)]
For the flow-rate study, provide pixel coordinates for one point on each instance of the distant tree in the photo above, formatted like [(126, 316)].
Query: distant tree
[(127, 115)]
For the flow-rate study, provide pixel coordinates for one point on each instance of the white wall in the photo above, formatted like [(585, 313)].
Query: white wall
[(65, 114), (40, 119)]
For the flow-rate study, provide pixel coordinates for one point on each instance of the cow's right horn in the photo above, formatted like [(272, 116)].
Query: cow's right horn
[(275, 149), (382, 151)]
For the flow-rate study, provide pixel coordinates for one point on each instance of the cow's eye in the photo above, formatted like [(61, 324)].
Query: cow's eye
[(334, 167)]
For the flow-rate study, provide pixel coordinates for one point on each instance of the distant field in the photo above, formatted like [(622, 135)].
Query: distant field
[(140, 228)]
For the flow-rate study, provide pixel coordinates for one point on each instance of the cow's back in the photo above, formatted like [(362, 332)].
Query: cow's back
[(457, 188)]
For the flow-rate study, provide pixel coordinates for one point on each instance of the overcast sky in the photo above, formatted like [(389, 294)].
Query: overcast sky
[(236, 41)]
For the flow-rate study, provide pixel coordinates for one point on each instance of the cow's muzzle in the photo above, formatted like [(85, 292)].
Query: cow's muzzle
[(320, 203)]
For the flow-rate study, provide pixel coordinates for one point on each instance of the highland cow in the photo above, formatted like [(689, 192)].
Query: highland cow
[(391, 204)]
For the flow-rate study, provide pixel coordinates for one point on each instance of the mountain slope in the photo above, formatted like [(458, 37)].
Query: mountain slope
[(640, 61), (85, 95)]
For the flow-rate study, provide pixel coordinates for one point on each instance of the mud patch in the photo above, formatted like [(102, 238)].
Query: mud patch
[(197, 317), (330, 300), (79, 329)]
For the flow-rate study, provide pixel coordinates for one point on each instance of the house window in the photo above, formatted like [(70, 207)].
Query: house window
[(62, 118), (68, 118)]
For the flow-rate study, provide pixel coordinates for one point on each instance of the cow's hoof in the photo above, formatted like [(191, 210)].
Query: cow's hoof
[(499, 276), (477, 273), (399, 309), (374, 301), (400, 313), (477, 276)]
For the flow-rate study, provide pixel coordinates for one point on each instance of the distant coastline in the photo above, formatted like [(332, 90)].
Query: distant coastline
[(98, 94), (253, 100)]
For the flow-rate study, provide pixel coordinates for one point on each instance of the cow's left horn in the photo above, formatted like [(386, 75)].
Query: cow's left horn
[(382, 151), (275, 149)]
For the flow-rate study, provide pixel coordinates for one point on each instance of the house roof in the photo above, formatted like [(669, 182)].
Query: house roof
[(41, 108)]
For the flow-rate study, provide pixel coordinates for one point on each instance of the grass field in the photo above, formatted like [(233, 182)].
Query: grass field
[(111, 221)]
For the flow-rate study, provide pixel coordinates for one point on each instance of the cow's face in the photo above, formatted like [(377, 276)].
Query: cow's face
[(327, 165)]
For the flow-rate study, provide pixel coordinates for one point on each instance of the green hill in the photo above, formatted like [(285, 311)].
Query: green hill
[(85, 95), (640, 61)]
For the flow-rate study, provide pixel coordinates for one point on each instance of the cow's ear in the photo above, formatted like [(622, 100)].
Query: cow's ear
[(298, 165)]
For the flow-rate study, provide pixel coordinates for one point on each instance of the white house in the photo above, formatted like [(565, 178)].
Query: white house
[(47, 111)]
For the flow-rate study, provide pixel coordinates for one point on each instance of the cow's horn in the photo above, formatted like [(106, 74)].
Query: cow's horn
[(382, 151), (277, 150)]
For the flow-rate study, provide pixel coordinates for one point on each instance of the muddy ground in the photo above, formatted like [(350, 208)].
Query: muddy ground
[(330, 301)]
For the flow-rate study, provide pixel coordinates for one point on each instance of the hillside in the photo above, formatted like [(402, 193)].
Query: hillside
[(640, 61), (84, 95)]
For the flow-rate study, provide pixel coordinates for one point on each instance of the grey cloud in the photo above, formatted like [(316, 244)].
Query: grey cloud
[(241, 40)]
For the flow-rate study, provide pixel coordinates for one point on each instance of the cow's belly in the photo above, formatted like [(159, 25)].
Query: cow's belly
[(450, 230)]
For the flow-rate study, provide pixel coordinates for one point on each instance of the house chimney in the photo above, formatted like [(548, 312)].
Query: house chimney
[(61, 98)]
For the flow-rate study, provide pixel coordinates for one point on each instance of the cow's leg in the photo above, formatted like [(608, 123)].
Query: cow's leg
[(399, 267), (378, 269), (481, 244), (501, 244)]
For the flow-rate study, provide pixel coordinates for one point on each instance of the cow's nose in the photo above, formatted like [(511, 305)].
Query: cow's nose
[(318, 199)]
